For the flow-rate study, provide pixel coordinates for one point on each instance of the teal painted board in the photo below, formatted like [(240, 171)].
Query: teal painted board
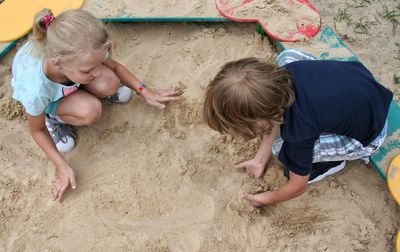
[(326, 45), (165, 19), (331, 47), (5, 47), (391, 147), (329, 37)]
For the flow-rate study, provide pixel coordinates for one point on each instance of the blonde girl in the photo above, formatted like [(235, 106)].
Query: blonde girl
[(61, 74)]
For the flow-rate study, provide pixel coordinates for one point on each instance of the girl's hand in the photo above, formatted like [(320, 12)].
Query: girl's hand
[(66, 177), (159, 100), (253, 167)]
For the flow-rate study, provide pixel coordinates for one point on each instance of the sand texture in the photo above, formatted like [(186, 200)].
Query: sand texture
[(151, 180), (159, 8)]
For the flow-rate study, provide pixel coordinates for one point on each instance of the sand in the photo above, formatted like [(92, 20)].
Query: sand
[(137, 8), (377, 48), (154, 180)]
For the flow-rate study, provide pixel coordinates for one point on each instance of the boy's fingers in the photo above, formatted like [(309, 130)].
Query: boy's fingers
[(239, 169), (247, 196), (253, 199), (240, 166)]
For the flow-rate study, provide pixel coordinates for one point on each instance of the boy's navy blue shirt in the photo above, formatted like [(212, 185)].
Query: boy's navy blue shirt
[(331, 97)]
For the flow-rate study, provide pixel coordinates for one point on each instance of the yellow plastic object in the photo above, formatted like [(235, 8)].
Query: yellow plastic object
[(393, 181), (393, 178), (398, 242), (16, 16)]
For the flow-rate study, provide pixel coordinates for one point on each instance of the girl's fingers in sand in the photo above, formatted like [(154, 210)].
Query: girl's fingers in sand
[(160, 102), (65, 178), (73, 182), (158, 105), (167, 98), (171, 93), (61, 192), (56, 189), (54, 193)]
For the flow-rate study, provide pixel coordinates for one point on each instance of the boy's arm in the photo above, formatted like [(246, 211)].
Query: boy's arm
[(42, 137), (130, 80), (265, 150), (295, 187), (257, 165)]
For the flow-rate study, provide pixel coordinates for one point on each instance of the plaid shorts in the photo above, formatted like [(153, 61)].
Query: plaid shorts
[(291, 55), (330, 147)]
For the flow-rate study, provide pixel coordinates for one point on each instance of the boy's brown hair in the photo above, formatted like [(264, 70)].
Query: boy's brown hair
[(245, 92)]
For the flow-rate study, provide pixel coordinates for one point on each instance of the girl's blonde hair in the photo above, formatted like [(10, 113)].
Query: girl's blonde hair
[(70, 33), (244, 92)]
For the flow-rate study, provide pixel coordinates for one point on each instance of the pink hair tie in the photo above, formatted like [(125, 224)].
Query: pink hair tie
[(47, 20)]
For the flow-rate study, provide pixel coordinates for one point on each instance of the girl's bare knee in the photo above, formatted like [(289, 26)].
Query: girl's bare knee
[(90, 112), (108, 85)]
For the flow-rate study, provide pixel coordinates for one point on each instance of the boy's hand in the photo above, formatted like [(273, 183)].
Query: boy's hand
[(159, 100), (66, 177), (256, 200), (253, 166), (295, 187)]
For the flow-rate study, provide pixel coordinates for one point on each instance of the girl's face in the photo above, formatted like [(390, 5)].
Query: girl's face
[(84, 69)]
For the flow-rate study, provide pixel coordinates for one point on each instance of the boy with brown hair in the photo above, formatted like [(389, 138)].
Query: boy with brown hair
[(326, 112)]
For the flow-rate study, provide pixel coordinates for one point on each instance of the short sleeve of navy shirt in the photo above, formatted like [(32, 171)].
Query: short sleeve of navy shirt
[(331, 97)]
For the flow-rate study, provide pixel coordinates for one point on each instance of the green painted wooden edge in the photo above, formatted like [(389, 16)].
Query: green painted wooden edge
[(7, 48), (391, 143), (165, 19)]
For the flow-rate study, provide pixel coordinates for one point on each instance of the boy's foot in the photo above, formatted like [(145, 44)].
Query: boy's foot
[(323, 169), (63, 135), (122, 95)]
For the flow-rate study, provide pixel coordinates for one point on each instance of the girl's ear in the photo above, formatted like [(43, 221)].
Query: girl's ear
[(56, 62)]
